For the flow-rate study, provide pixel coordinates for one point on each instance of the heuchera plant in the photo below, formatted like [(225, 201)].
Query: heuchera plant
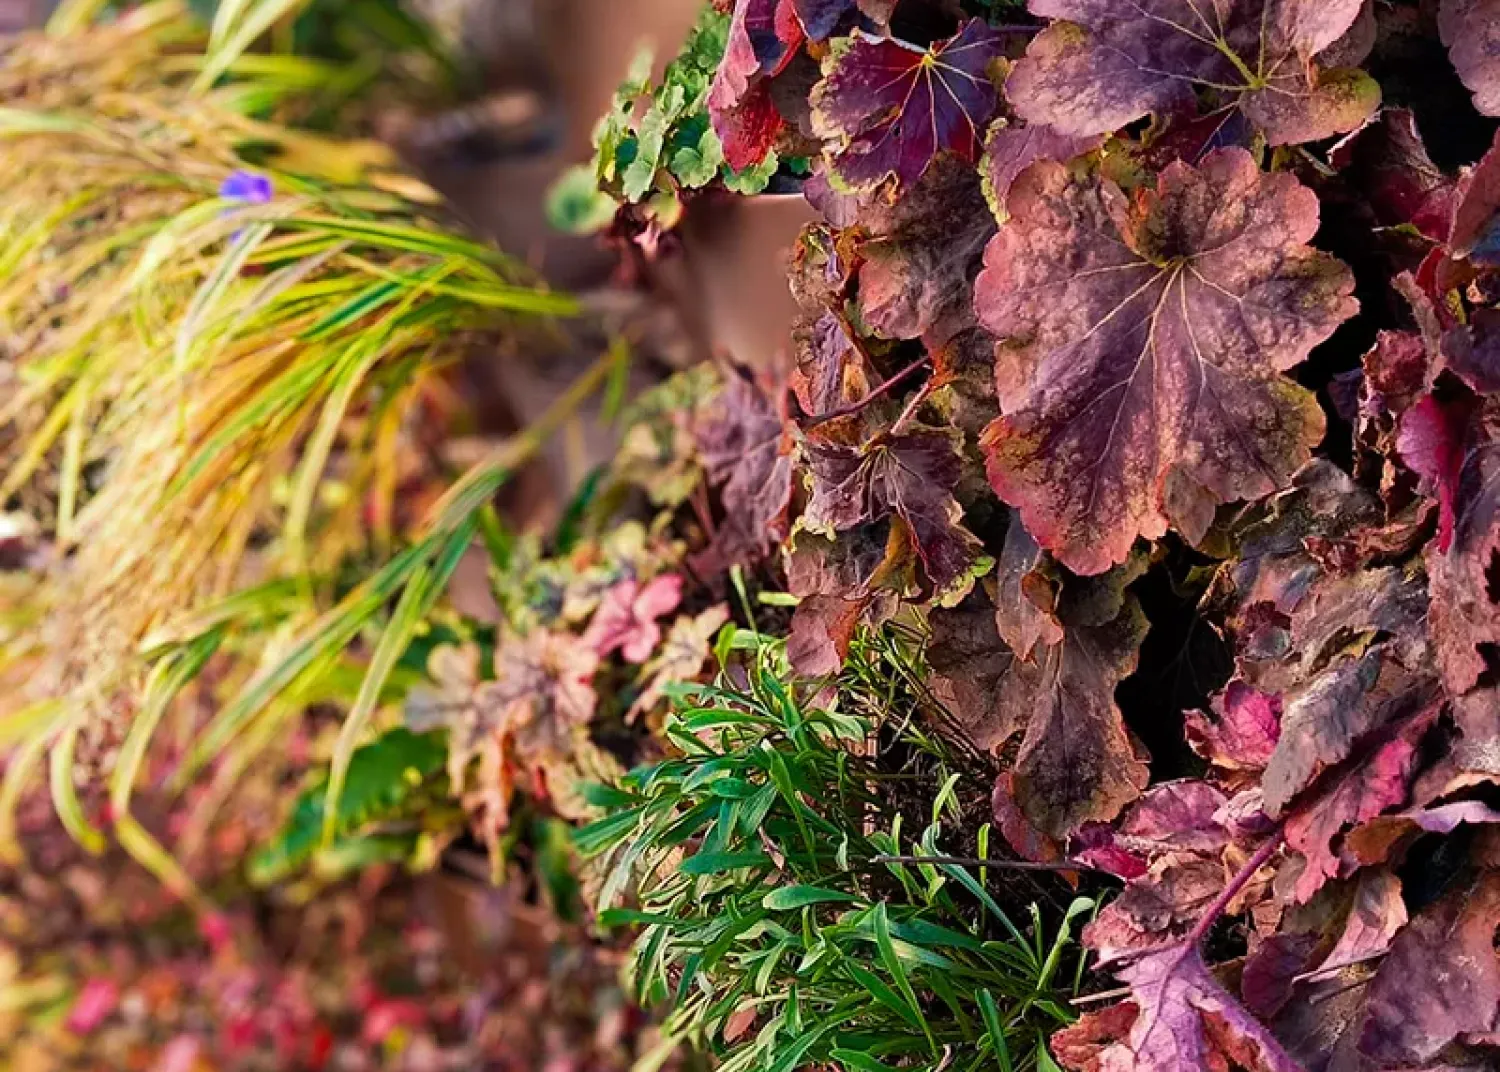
[(1137, 332)]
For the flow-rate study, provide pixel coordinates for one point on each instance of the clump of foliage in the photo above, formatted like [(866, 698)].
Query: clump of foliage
[(1146, 354), (655, 145), (776, 909), (221, 330)]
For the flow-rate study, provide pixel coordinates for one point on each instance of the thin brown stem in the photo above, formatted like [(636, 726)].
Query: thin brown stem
[(875, 393), (1000, 865)]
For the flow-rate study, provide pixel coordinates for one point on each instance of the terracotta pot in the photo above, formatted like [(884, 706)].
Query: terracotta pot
[(736, 255)]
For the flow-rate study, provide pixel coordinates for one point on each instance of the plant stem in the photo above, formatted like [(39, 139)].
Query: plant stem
[(1236, 884), (875, 392), (1003, 865)]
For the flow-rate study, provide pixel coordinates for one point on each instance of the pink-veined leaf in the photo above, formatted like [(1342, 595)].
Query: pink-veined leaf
[(1109, 63), (1142, 346), (1187, 1020), (890, 108)]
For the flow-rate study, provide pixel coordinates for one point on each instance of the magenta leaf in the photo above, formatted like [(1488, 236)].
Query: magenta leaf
[(626, 620), (1187, 1020), (891, 108), (1455, 446), (1111, 63), (1142, 346)]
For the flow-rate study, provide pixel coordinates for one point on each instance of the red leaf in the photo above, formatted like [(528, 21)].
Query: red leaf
[(1441, 979), (1144, 340), (892, 107), (1469, 29), (1111, 63), (764, 36), (1078, 1047), (1266, 981)]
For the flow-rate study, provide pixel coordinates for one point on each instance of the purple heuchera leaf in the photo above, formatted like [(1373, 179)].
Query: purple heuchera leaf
[(892, 108), (1110, 63), (1471, 30), (250, 187), (1010, 150), (1141, 348), (1440, 980), (1187, 1020)]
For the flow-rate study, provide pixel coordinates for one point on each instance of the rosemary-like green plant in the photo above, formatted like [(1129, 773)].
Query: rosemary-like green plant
[(776, 918)]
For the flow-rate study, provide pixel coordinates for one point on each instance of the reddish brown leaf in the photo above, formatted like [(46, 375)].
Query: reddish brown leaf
[(892, 108), (924, 252), (1441, 979), (1078, 1047), (1145, 339), (822, 628), (1024, 597), (1077, 762), (1025, 840), (909, 477), (1110, 64), (968, 666), (744, 447), (1471, 30)]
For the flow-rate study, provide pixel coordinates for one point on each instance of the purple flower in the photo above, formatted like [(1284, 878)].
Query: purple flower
[(246, 186)]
